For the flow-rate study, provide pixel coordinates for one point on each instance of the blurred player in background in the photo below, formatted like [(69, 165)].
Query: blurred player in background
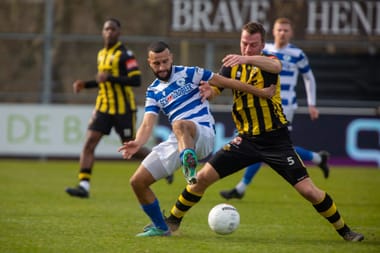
[(294, 61), (115, 107)]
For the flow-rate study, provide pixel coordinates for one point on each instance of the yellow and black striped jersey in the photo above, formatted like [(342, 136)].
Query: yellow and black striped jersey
[(116, 96), (254, 115)]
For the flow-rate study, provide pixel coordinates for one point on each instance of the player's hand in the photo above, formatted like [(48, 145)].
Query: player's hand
[(313, 112), (231, 60), (129, 149), (205, 90), (269, 91), (78, 85)]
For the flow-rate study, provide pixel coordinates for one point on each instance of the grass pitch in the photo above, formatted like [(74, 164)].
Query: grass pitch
[(36, 215)]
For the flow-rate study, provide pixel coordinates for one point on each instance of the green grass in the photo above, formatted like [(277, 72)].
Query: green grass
[(36, 215)]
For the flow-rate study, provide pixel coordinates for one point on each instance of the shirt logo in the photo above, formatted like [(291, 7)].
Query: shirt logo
[(186, 88), (181, 82), (287, 58), (131, 64)]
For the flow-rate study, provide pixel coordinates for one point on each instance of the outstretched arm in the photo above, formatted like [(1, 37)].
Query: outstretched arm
[(207, 91), (224, 82), (143, 134)]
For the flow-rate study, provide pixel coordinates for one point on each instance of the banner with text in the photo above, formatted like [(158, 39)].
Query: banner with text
[(59, 131)]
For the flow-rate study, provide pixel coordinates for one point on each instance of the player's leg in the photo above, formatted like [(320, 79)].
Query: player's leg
[(318, 158), (239, 190), (185, 132), (195, 142), (99, 125), (285, 161), (191, 195), (204, 146), (225, 162), (140, 183), (161, 162), (326, 207), (86, 162)]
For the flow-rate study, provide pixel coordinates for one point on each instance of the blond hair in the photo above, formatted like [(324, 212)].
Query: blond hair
[(283, 21)]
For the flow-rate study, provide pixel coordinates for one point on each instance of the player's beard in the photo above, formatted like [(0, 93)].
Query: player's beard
[(166, 73)]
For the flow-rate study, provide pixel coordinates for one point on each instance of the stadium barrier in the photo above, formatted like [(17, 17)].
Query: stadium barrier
[(351, 135)]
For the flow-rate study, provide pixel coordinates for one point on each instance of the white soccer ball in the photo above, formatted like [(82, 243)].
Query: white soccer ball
[(223, 219)]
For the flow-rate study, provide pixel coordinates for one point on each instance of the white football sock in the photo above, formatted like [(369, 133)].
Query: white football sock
[(240, 187), (85, 185), (317, 159)]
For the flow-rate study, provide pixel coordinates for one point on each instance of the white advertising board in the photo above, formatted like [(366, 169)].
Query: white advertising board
[(50, 130)]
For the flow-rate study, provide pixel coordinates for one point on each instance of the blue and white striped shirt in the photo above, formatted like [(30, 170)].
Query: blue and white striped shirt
[(179, 98), (294, 61)]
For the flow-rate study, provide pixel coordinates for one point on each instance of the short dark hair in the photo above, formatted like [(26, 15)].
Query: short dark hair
[(255, 27), (115, 20), (158, 47)]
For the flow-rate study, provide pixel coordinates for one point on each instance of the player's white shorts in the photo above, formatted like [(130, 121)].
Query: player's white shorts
[(289, 114), (164, 158)]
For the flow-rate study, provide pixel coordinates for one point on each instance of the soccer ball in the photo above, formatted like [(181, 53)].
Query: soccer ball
[(223, 219)]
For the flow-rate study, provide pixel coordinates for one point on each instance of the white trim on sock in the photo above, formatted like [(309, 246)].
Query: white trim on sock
[(240, 187), (85, 184), (317, 159)]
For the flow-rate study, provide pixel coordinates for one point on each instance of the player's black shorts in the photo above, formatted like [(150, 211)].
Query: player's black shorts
[(124, 124), (274, 148)]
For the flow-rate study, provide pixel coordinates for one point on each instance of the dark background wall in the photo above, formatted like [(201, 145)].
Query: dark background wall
[(346, 67), (346, 77)]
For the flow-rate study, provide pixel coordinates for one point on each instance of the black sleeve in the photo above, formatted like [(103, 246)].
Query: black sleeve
[(130, 74), (225, 71), (124, 80), (134, 81), (91, 84), (269, 78)]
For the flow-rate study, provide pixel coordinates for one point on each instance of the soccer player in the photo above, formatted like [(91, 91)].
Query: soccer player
[(178, 92), (118, 72), (263, 136), (294, 61)]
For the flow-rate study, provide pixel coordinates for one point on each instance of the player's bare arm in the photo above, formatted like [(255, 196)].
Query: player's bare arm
[(128, 149), (223, 82), (265, 63), (207, 91)]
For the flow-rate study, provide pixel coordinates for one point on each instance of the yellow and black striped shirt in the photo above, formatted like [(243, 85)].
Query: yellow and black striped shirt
[(254, 115), (116, 96)]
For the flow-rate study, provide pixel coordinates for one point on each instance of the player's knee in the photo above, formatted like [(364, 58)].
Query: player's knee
[(312, 194), (136, 182), (206, 176), (181, 127), (91, 144)]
